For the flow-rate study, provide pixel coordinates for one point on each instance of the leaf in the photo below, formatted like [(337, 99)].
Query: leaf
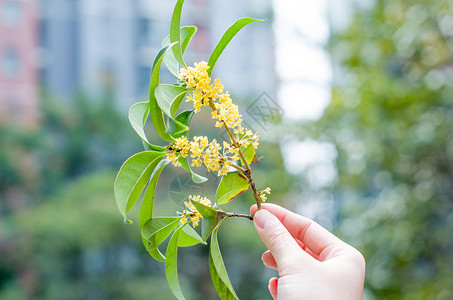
[(195, 177), (189, 237), (156, 230), (171, 267), (226, 38), (185, 117), (146, 210), (249, 153), (187, 32), (138, 113), (132, 178), (211, 218), (169, 97), (232, 185), (175, 32), (218, 271), (176, 129), (205, 211), (154, 109)]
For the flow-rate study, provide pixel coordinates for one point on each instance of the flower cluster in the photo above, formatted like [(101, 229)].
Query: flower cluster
[(198, 79), (263, 194), (203, 152), (191, 212), (206, 94)]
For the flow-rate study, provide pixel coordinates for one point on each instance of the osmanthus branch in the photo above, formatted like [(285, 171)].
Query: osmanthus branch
[(247, 171), (250, 217)]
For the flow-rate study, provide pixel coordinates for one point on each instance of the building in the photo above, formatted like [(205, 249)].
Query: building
[(98, 46), (19, 91)]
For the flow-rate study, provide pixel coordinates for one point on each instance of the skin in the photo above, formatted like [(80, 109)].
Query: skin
[(311, 262)]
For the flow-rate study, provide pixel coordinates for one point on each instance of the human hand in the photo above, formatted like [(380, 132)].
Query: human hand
[(311, 262)]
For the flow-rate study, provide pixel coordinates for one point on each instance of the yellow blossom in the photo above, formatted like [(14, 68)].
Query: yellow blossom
[(173, 158), (192, 212), (263, 193)]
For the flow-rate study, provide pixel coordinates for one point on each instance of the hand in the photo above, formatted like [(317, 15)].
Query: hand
[(311, 262)]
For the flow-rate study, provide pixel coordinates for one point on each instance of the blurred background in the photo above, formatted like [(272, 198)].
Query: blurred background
[(353, 101)]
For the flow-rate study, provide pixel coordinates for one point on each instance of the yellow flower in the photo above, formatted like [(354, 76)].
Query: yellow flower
[(263, 193), (173, 158), (192, 212), (182, 144)]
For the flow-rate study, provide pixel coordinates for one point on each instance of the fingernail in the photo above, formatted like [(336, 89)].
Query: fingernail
[(263, 218)]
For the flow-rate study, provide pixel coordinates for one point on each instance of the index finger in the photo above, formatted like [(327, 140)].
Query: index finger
[(311, 234)]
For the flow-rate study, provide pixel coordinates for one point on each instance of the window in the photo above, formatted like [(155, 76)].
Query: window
[(11, 13), (10, 63)]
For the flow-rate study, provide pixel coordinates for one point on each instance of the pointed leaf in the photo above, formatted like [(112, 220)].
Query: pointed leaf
[(132, 178), (157, 229), (232, 185), (189, 237), (249, 153), (175, 32), (195, 177), (171, 267), (155, 253), (154, 109), (218, 271), (205, 211), (226, 38), (187, 32), (211, 218), (146, 210), (175, 128), (169, 97), (138, 113)]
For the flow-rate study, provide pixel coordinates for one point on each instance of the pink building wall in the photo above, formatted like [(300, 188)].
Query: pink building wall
[(19, 93)]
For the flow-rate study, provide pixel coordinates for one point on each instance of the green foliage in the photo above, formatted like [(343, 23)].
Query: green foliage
[(218, 271), (145, 167), (226, 38), (171, 267), (187, 32), (391, 122), (169, 97), (232, 185), (132, 178)]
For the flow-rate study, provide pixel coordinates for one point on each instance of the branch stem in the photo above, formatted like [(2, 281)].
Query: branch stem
[(247, 171), (250, 217)]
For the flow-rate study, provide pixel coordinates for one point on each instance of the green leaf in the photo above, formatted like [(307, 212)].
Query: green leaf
[(232, 185), (176, 128), (205, 211), (154, 109), (226, 38), (195, 177), (249, 153), (185, 117), (175, 32), (157, 229), (171, 267), (211, 218), (190, 237), (187, 32), (146, 210), (138, 113), (132, 178), (218, 271), (169, 97)]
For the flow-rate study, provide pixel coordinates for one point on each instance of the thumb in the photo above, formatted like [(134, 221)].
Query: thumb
[(278, 240)]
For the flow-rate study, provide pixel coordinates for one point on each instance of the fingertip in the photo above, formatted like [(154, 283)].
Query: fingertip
[(273, 284), (269, 260), (253, 209)]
